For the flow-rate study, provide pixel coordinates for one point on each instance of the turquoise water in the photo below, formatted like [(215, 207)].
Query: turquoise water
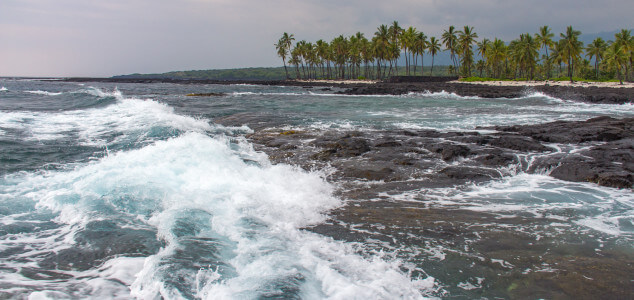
[(133, 190)]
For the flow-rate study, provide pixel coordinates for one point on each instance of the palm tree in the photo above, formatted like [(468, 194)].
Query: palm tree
[(381, 43), (497, 53), (616, 58), (295, 60), (282, 52), (557, 55), (626, 41), (322, 53), (395, 36), (596, 50), (340, 49), (466, 39), (366, 54), (571, 48), (283, 47), (480, 66), (407, 43), (433, 48), (545, 40), (420, 44), (483, 48), (524, 53), (450, 39)]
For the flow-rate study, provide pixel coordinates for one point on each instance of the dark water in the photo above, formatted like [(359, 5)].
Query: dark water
[(134, 191)]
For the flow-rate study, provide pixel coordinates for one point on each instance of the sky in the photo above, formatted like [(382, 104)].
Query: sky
[(48, 38)]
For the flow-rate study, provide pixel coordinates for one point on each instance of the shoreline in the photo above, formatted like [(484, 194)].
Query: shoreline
[(597, 93), (578, 93), (550, 83)]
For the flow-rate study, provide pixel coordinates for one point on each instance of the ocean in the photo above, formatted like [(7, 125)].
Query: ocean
[(134, 190)]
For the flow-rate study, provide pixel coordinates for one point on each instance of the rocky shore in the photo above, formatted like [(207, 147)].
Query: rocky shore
[(384, 176), (599, 150), (590, 94)]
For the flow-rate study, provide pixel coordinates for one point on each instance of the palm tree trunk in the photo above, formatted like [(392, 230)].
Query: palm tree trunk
[(406, 64), (570, 68), (285, 70), (422, 63), (431, 73)]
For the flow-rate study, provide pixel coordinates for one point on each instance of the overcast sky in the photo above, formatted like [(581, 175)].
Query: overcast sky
[(112, 37)]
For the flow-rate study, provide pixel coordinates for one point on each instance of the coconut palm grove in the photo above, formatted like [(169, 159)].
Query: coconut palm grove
[(538, 56)]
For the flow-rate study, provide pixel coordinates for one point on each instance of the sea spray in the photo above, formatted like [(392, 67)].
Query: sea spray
[(254, 211)]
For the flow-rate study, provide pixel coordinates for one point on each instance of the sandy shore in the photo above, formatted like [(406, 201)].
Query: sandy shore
[(338, 81), (551, 83)]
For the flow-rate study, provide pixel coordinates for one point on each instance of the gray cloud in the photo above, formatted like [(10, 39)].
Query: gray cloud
[(104, 38)]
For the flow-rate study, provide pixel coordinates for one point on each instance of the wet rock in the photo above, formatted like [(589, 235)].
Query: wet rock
[(607, 156), (600, 129), (344, 147), (388, 144), (468, 173), (518, 143), (496, 158), (604, 95), (587, 170), (449, 151), (369, 173)]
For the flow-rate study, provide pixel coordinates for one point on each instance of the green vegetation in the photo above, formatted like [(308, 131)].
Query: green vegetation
[(226, 74), (518, 60)]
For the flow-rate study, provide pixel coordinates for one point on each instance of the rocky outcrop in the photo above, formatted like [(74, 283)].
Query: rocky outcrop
[(604, 95), (599, 150)]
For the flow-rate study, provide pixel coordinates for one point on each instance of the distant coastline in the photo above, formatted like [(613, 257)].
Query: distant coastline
[(606, 92)]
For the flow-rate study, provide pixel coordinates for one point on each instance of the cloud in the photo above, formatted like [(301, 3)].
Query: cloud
[(104, 38)]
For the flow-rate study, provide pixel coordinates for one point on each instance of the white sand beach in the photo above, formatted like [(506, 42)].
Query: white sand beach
[(548, 82)]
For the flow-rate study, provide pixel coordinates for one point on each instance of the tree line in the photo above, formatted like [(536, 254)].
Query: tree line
[(531, 56)]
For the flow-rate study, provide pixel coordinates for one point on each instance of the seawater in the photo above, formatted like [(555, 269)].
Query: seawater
[(133, 191)]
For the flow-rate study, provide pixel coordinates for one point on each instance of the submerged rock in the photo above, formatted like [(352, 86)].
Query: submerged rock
[(206, 94)]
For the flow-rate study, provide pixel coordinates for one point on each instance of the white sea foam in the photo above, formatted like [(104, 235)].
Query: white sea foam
[(45, 93), (598, 208), (529, 94), (130, 116), (258, 208), (237, 94)]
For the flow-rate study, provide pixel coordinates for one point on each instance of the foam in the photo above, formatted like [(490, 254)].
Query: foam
[(595, 207), (135, 118), (45, 93), (533, 94), (258, 208), (439, 95), (3, 89), (237, 94)]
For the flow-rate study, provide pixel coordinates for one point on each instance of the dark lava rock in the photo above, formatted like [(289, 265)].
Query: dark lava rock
[(369, 173), (468, 173), (599, 150), (518, 143), (496, 158), (344, 147), (589, 171), (605, 95), (388, 144), (449, 151), (600, 129)]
